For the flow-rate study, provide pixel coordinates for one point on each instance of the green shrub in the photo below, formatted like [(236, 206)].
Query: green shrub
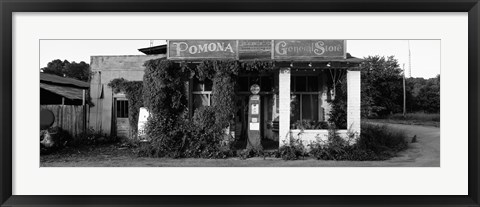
[(204, 117), (335, 148), (310, 124), (338, 113), (248, 153), (92, 137), (375, 143), (381, 139), (293, 151), (183, 138), (166, 137), (204, 143)]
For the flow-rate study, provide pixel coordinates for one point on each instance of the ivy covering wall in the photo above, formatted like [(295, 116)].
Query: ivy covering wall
[(164, 91), (171, 132), (133, 92)]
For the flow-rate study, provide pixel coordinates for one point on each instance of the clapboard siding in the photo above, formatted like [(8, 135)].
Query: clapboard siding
[(71, 118)]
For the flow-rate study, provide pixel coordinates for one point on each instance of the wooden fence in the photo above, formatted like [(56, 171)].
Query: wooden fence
[(71, 118)]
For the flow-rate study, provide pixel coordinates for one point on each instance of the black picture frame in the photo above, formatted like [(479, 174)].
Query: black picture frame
[(7, 7)]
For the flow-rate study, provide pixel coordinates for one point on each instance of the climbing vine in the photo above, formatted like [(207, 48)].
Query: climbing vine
[(133, 92), (224, 74), (165, 93)]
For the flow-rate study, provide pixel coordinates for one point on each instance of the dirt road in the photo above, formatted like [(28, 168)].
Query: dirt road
[(424, 153)]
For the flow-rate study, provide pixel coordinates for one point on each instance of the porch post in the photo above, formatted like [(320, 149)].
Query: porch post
[(284, 106), (353, 102)]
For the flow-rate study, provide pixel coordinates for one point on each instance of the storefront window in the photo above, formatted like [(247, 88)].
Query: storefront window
[(305, 99)]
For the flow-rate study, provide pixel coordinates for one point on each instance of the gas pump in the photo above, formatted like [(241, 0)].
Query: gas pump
[(254, 139)]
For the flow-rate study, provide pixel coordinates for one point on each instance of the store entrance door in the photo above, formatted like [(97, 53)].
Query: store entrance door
[(121, 117)]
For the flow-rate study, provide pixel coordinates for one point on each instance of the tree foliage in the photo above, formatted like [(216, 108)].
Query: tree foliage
[(428, 96), (382, 92), (79, 71), (381, 86)]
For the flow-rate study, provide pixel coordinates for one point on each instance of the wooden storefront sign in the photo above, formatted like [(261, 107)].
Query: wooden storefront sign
[(202, 49), (309, 49), (254, 49), (257, 49)]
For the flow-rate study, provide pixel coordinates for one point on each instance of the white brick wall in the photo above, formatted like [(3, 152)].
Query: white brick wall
[(315, 136), (353, 102), (284, 105)]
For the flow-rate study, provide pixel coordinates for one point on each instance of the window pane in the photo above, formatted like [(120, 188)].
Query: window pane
[(266, 84), (243, 84), (197, 85), (301, 83), (200, 100), (122, 109), (310, 107), (118, 108), (126, 109), (122, 103), (208, 84), (294, 108), (312, 83), (254, 80)]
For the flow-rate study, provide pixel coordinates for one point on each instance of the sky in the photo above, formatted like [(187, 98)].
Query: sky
[(425, 54)]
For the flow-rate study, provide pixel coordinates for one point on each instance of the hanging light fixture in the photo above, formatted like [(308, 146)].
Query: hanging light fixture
[(328, 64)]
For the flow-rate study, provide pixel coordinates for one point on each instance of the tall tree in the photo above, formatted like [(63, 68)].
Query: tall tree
[(428, 97), (381, 87), (79, 71)]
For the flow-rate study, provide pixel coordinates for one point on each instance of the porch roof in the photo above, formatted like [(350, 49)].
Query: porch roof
[(349, 59), (57, 80), (65, 91)]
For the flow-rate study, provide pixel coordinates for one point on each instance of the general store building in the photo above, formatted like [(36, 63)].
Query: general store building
[(298, 89)]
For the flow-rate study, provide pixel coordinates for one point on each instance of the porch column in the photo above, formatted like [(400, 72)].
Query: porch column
[(353, 102), (284, 106)]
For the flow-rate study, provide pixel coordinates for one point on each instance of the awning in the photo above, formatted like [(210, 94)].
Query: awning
[(67, 92)]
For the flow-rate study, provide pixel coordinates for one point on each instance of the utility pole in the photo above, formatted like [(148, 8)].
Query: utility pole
[(404, 93), (409, 61)]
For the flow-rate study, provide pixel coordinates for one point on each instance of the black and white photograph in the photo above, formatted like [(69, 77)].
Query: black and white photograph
[(239, 102), (248, 105)]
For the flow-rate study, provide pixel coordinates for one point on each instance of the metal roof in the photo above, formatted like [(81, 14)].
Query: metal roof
[(160, 49), (57, 80), (65, 91)]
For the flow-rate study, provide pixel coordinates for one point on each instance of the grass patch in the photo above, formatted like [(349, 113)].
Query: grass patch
[(381, 139), (411, 119), (416, 117), (376, 142)]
